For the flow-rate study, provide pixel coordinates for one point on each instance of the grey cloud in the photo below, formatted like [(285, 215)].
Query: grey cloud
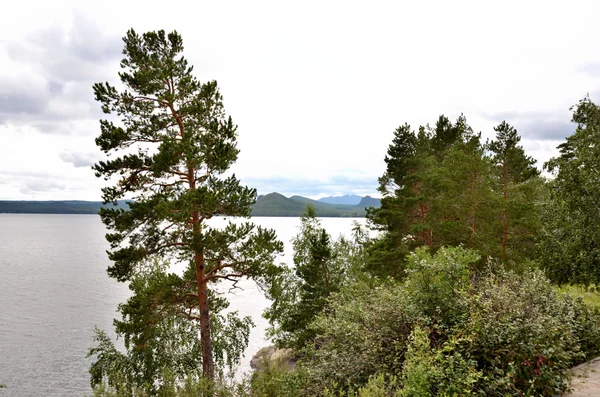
[(55, 87), (79, 159), (20, 103), (536, 125), (91, 45), (61, 64), (546, 130)]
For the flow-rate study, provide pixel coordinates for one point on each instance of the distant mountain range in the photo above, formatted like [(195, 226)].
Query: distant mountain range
[(272, 204), (348, 199), (275, 204)]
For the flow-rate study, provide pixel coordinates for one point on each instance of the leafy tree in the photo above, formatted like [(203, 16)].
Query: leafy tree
[(161, 344), (169, 154), (516, 172), (571, 234), (300, 294)]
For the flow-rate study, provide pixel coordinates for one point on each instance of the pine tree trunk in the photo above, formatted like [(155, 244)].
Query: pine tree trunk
[(208, 366)]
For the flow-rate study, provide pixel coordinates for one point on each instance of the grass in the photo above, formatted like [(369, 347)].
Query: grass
[(590, 294)]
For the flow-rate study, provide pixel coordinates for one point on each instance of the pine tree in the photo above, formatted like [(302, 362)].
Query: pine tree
[(435, 192), (168, 155), (515, 171)]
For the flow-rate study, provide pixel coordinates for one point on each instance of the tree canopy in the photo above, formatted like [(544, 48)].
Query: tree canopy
[(444, 186), (571, 234)]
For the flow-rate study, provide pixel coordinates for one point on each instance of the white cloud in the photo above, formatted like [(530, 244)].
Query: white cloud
[(317, 88)]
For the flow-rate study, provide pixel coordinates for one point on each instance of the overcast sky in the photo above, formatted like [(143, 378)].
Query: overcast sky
[(315, 87)]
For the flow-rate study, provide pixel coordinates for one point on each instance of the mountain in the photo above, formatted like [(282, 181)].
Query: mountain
[(275, 204), (55, 207), (348, 199), (369, 201)]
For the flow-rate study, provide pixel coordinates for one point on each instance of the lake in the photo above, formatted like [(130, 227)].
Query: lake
[(54, 289)]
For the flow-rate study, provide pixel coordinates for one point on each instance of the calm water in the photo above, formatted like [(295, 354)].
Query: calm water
[(54, 289)]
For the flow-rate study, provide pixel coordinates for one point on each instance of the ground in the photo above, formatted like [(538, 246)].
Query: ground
[(586, 380)]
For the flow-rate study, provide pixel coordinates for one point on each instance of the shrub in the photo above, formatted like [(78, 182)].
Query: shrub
[(447, 330)]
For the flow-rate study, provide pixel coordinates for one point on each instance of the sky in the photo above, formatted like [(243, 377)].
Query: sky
[(316, 88)]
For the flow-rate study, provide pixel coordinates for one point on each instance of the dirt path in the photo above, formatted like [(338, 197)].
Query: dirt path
[(586, 380)]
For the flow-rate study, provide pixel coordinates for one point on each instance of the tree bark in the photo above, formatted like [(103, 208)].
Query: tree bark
[(208, 366), (504, 214)]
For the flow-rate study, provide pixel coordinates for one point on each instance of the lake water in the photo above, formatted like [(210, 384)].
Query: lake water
[(54, 289)]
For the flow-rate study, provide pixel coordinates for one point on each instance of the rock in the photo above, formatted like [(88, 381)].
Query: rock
[(269, 356)]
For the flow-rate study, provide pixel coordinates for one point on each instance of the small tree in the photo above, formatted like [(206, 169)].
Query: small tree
[(175, 143), (301, 294)]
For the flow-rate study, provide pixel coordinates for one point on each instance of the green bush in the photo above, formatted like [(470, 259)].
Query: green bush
[(447, 330)]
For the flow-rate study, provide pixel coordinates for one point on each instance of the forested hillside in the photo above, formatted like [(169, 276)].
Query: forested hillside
[(275, 204), (54, 207)]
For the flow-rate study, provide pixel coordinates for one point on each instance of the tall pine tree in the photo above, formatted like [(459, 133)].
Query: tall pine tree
[(516, 173), (168, 155)]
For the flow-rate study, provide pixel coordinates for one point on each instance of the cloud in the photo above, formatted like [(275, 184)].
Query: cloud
[(46, 80), (41, 186), (79, 159), (547, 126)]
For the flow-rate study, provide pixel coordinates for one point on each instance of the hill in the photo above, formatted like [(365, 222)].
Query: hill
[(348, 199), (369, 201), (275, 204), (54, 207)]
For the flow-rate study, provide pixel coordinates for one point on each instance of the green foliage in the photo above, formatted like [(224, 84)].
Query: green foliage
[(189, 387), (300, 294), (417, 372), (169, 153), (161, 344), (450, 330), (273, 380), (570, 247), (364, 332), (443, 371), (437, 286), (519, 186), (444, 187)]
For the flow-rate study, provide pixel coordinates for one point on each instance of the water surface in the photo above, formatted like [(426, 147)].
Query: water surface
[(54, 289)]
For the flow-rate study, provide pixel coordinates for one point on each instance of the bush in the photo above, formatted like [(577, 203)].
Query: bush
[(447, 330)]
